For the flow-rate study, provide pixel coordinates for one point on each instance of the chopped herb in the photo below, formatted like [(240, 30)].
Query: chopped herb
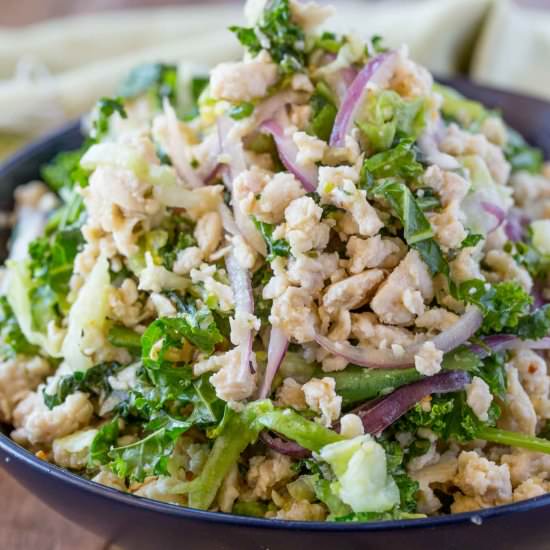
[(242, 110), (106, 108), (275, 247)]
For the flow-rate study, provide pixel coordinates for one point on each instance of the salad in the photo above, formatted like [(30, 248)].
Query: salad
[(308, 285)]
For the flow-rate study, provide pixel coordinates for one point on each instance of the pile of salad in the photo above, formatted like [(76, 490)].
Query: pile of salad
[(309, 285)]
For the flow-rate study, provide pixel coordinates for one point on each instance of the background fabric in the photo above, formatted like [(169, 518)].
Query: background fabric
[(55, 71)]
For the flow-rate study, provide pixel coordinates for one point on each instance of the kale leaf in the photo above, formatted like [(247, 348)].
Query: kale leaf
[(95, 381), (106, 108), (286, 40), (503, 304), (12, 339), (323, 112), (158, 79), (64, 171), (275, 247), (522, 156)]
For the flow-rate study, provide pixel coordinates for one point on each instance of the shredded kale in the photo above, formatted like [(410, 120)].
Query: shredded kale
[(323, 112), (536, 325), (503, 304), (195, 325), (12, 340), (241, 110), (106, 108), (329, 42), (95, 381), (388, 117), (64, 171), (472, 239), (275, 247), (124, 337), (158, 79), (377, 44), (427, 200), (51, 265), (286, 40), (521, 155)]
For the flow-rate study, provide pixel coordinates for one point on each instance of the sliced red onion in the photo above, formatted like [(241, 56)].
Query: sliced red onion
[(378, 414), (432, 155), (381, 414), (177, 148), (448, 340), (354, 97), (273, 105), (209, 168), (276, 351), (538, 294), (244, 303), (496, 211), (288, 153), (344, 80), (502, 342), (285, 447), (515, 225), (232, 147)]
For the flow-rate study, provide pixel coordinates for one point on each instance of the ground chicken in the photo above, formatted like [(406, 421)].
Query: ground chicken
[(223, 293), (302, 510), (265, 473), (518, 414), (310, 149), (533, 374), (36, 424), (352, 292), (229, 491), (109, 479), (293, 312), (530, 488), (18, 377), (449, 186), (374, 252), (410, 275), (187, 259), (304, 229), (321, 397), (479, 398), (428, 360), (161, 488), (479, 477), (351, 426), (447, 225), (311, 272), (245, 254), (525, 465), (290, 394), (505, 268), (233, 382), (436, 319), (367, 329), (243, 80)]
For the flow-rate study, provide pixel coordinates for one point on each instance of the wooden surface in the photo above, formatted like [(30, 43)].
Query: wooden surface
[(27, 524)]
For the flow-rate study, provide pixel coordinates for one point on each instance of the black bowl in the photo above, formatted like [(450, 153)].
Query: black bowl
[(138, 523)]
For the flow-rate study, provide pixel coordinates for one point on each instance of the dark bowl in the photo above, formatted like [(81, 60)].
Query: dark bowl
[(138, 523)]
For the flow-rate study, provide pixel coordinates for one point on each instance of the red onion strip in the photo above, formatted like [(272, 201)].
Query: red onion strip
[(233, 148), (244, 303), (378, 414), (288, 153), (496, 211), (276, 351), (382, 414), (353, 99), (177, 148), (502, 342), (448, 340)]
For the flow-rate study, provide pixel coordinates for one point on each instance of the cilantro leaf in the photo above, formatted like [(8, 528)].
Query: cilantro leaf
[(286, 40), (275, 247)]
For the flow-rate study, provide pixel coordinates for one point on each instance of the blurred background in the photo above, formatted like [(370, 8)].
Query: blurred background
[(58, 56)]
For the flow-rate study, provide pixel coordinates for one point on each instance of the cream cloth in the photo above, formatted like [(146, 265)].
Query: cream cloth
[(55, 71)]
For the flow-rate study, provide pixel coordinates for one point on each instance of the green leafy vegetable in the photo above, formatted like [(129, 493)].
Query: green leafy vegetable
[(64, 171), (95, 381), (12, 339), (103, 442), (158, 79), (286, 39), (124, 337), (502, 304), (323, 112), (536, 325), (468, 113), (106, 108), (275, 247), (522, 156), (472, 239), (242, 110), (387, 117), (329, 42)]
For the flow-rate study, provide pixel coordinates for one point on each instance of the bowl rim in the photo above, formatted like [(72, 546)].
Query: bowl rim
[(14, 451)]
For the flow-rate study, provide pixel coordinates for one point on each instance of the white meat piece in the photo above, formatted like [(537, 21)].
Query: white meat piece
[(321, 397)]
